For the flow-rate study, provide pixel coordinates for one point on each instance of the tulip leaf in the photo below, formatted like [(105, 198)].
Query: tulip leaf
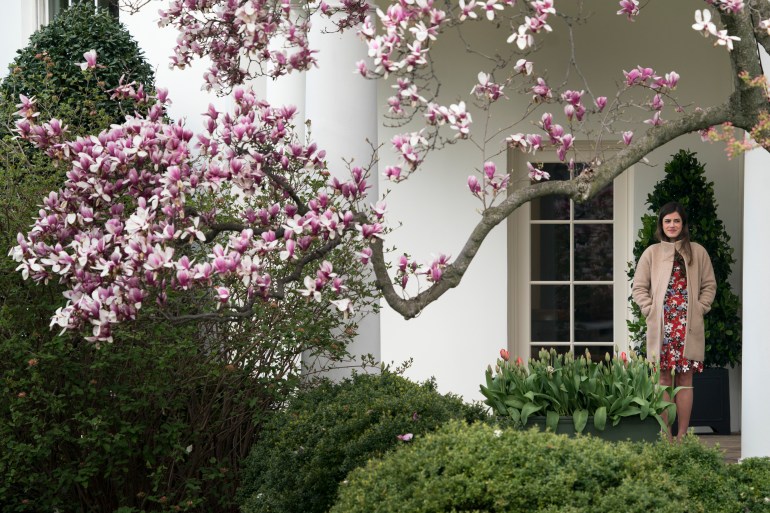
[(580, 418), (528, 410), (515, 402), (600, 418), (551, 420)]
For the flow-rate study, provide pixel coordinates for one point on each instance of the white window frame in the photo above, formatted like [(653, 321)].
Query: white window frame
[(519, 251)]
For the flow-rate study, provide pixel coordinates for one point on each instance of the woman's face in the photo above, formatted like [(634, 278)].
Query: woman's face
[(672, 225)]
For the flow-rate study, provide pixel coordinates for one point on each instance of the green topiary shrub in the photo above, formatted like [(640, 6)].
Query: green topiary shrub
[(47, 69), (326, 431), (685, 182), (480, 468)]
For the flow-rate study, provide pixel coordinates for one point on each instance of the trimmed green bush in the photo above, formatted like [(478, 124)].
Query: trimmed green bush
[(326, 431), (753, 478), (484, 469), (686, 183), (47, 69)]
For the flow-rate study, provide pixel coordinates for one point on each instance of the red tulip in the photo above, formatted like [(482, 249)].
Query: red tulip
[(519, 361), (504, 354)]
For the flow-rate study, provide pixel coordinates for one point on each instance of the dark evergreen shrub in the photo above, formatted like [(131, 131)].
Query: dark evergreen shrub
[(47, 69), (305, 451), (483, 469), (686, 183)]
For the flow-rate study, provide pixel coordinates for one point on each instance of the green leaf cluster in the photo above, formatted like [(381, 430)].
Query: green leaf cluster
[(555, 385), (479, 468), (306, 450), (686, 183)]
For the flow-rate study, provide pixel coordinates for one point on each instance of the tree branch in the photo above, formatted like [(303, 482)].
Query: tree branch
[(580, 188)]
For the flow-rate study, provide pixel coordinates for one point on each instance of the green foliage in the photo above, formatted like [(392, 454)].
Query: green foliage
[(47, 69), (483, 469), (326, 431), (753, 478), (686, 183), (555, 385)]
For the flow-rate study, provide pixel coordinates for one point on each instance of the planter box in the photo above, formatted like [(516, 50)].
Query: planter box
[(711, 401), (630, 428)]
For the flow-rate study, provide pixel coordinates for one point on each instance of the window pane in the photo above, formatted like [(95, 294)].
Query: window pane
[(593, 252), (550, 252), (557, 170), (549, 208), (598, 207), (593, 313), (550, 313)]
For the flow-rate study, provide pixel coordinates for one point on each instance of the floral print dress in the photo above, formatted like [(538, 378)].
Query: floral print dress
[(675, 322)]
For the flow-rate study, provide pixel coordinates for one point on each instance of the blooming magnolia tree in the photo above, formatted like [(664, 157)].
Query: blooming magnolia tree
[(116, 234)]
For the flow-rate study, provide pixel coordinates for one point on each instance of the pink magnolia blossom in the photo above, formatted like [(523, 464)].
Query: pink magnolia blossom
[(600, 103), (522, 37), (474, 185), (537, 174), (541, 91), (524, 67), (90, 57), (703, 23), (630, 8)]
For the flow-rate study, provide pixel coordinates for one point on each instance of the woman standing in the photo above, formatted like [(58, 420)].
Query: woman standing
[(674, 286)]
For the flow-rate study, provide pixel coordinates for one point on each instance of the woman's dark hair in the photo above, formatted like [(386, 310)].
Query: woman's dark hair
[(684, 235)]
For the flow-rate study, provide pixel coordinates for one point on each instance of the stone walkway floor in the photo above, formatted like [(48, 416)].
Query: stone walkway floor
[(729, 444)]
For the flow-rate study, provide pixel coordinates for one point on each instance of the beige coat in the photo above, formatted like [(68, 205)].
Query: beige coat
[(649, 290)]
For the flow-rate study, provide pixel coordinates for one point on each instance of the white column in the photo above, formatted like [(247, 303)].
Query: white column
[(289, 89), (755, 411), (755, 416), (21, 18), (342, 108)]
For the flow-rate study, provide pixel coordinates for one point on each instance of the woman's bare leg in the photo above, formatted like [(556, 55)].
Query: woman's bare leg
[(683, 400)]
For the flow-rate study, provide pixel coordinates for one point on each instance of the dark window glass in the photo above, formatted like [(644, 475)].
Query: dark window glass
[(552, 208), (550, 252), (550, 313), (593, 252), (599, 207), (593, 313)]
